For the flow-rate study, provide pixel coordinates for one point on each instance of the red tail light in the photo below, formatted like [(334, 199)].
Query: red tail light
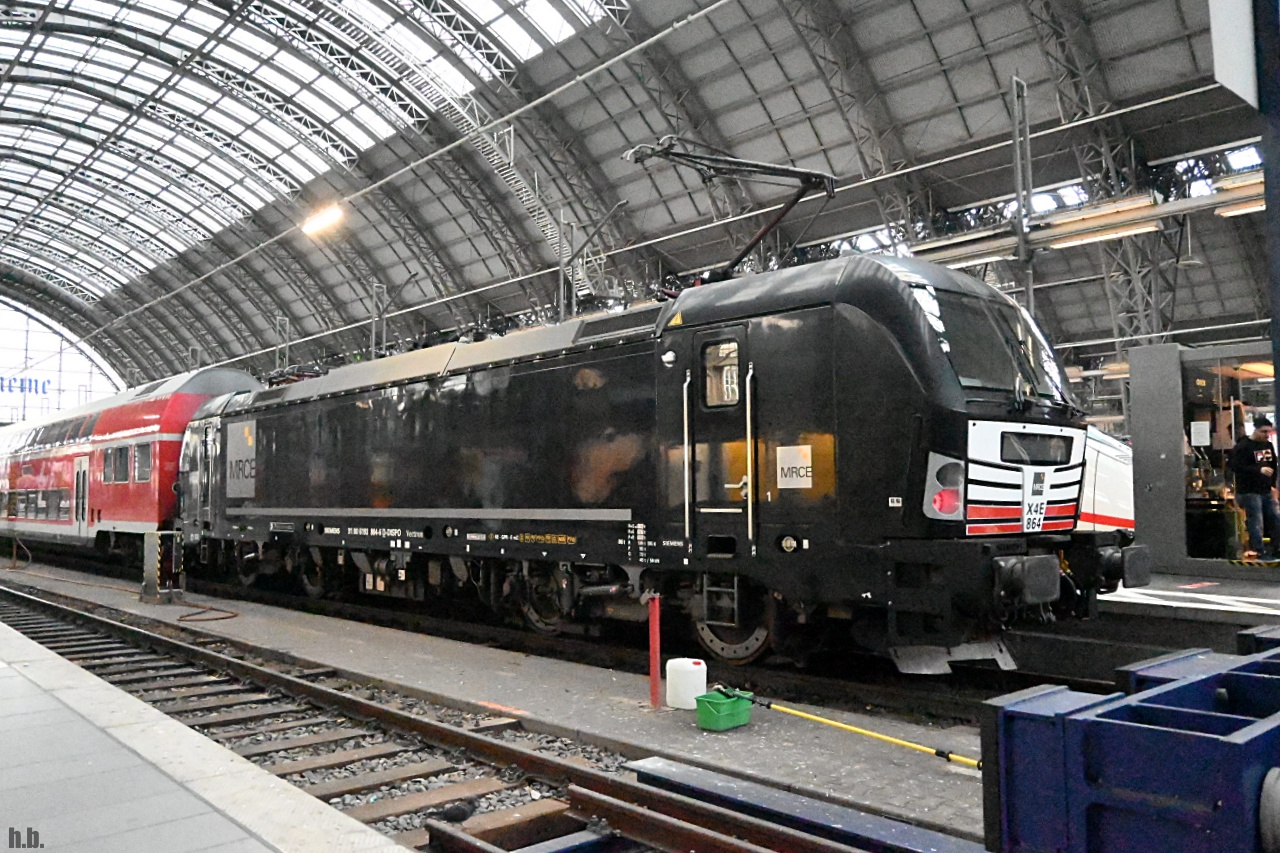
[(947, 501), (944, 488)]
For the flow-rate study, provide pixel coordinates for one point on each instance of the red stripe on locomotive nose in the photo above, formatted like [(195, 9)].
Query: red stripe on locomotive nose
[(1106, 520), (1060, 509), (1059, 525), (976, 512), (984, 529)]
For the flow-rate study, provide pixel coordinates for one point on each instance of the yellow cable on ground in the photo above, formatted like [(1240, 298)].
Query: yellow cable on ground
[(940, 753)]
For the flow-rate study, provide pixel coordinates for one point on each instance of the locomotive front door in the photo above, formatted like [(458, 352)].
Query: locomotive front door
[(80, 500), (723, 472)]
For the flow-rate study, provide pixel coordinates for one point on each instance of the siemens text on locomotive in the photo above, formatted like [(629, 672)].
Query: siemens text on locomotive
[(876, 445)]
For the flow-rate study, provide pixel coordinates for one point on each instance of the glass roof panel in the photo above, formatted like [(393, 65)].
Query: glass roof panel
[(97, 8), (515, 37), (351, 130), (199, 18), (370, 119), (238, 110), (278, 82), (276, 133), (544, 16), (260, 144), (186, 36), (371, 14), (59, 61), (453, 81), (235, 58), (169, 164), (317, 106), (1244, 158), (484, 10), (335, 92), (298, 68), (309, 158)]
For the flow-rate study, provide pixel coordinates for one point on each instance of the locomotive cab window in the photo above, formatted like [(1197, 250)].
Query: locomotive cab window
[(720, 366), (142, 463)]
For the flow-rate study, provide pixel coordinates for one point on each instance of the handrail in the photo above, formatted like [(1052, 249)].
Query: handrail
[(688, 462), (751, 466)]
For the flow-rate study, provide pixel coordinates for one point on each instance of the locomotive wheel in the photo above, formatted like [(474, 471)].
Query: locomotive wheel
[(540, 603), (246, 565), (313, 577), (741, 644), (736, 646)]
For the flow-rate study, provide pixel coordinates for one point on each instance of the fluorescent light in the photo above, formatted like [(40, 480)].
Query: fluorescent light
[(977, 262), (1242, 207), (1119, 205), (1239, 179), (1261, 368), (963, 237), (1109, 234), (324, 218)]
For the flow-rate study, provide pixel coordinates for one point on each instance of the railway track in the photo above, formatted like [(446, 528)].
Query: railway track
[(842, 680), (425, 775)]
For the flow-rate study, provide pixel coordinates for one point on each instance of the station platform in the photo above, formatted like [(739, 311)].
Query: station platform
[(1178, 596), (84, 766), (608, 708)]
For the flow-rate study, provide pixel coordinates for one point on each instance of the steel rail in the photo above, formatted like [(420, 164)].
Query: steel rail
[(654, 801)]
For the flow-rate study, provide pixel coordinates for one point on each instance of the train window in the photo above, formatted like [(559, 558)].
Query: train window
[(87, 425), (142, 463), (64, 504), (30, 505), (122, 464), (720, 365), (42, 504), (17, 504)]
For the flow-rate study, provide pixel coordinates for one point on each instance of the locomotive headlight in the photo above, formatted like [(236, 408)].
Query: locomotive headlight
[(788, 543), (944, 488)]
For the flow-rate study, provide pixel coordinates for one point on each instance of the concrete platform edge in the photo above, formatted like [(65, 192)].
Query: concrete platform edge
[(232, 785)]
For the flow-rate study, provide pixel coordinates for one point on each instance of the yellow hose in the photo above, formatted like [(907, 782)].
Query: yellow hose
[(940, 753)]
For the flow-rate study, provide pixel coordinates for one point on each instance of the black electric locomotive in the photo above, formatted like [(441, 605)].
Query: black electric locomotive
[(878, 445)]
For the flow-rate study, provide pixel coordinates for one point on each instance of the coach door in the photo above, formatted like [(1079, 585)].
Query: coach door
[(80, 501), (723, 472)]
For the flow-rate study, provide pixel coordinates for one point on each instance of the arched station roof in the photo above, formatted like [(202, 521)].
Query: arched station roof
[(157, 158)]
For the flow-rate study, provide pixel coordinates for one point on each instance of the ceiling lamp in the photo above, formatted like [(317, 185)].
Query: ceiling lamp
[(1108, 234), (1120, 205), (1238, 180), (1258, 368), (977, 262), (322, 219), (1254, 205)]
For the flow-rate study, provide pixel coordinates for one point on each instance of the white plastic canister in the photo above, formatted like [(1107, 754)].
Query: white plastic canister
[(686, 681)]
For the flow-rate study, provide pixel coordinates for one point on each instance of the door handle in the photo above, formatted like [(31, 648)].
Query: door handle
[(743, 485)]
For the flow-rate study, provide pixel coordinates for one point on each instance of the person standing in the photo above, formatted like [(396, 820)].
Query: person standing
[(1253, 460)]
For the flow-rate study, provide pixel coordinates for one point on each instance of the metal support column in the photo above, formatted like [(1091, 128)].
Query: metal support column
[(1022, 182), (1266, 34)]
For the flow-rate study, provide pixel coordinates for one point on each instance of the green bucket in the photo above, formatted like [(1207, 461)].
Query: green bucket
[(718, 712)]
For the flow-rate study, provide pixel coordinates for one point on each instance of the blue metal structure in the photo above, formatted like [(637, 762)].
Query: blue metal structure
[(1179, 765), (859, 830)]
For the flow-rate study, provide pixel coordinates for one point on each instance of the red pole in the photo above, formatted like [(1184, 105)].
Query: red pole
[(655, 651)]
